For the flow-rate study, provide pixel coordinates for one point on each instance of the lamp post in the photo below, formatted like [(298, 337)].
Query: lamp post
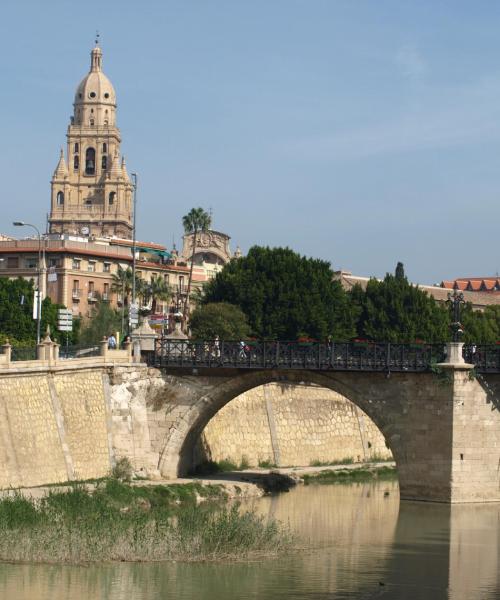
[(456, 299), (39, 284), (134, 179)]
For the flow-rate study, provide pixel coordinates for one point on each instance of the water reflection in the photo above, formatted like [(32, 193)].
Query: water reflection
[(361, 544)]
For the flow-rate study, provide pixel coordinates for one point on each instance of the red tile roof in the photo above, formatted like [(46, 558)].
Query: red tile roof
[(475, 284)]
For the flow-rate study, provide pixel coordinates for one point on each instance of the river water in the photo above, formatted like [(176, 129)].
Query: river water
[(359, 541)]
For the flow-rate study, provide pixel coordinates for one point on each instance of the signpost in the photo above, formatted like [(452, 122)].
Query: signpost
[(133, 315), (65, 322)]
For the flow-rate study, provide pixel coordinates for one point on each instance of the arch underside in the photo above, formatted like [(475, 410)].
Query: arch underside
[(177, 455)]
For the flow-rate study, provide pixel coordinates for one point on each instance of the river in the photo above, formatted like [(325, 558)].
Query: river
[(359, 541)]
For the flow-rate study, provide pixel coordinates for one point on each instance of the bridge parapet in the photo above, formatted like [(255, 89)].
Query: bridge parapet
[(48, 356), (321, 356)]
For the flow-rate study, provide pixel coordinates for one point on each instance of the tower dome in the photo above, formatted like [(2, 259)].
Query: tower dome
[(95, 97)]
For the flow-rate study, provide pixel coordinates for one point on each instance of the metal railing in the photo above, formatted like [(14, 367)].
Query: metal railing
[(484, 357), (23, 353), (345, 356), (79, 351)]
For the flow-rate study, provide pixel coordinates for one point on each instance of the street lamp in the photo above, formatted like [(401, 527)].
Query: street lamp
[(134, 179), (39, 286), (455, 300)]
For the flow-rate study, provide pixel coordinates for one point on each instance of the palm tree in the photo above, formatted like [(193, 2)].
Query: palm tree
[(122, 283), (158, 289), (142, 290), (196, 221)]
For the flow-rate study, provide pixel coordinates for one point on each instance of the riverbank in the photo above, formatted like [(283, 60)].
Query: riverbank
[(264, 481), (122, 522)]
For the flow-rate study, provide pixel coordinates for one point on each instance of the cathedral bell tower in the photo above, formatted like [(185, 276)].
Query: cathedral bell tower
[(91, 193)]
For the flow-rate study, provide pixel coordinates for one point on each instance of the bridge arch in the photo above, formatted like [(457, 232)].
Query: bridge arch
[(367, 393)]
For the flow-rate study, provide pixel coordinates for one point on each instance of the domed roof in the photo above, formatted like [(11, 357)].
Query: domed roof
[(95, 87)]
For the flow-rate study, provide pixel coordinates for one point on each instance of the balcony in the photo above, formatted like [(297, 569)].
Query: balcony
[(92, 296), (75, 294)]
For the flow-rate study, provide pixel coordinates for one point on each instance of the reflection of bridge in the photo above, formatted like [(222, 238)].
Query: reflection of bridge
[(441, 424), (318, 356)]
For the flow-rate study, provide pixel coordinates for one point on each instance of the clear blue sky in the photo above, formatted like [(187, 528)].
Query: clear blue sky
[(361, 132)]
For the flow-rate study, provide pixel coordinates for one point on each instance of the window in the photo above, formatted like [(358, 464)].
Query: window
[(76, 290), (92, 94), (181, 283), (104, 162), (104, 148), (166, 279), (112, 196), (90, 161), (105, 293), (107, 267), (88, 202), (91, 286), (76, 162), (91, 123), (12, 262), (31, 263), (54, 262), (60, 198), (76, 150), (76, 264), (91, 266), (106, 95), (106, 122)]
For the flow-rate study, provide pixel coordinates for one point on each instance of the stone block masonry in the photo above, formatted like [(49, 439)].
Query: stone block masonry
[(52, 427), (291, 425)]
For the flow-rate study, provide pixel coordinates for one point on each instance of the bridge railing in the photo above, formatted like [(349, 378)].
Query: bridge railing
[(350, 356), (484, 357)]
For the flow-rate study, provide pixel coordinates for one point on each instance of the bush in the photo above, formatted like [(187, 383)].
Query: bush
[(122, 470)]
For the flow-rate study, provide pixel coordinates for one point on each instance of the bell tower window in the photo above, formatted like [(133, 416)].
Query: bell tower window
[(104, 163), (76, 149), (90, 161), (76, 162), (60, 198), (112, 196), (104, 148)]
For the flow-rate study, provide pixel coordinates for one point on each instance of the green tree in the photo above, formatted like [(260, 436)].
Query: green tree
[(284, 295), (103, 321), (480, 327), (16, 312), (196, 221), (219, 319), (122, 282), (400, 271), (158, 290), (394, 310)]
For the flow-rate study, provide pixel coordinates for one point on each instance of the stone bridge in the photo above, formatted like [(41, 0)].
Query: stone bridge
[(443, 430), (72, 419)]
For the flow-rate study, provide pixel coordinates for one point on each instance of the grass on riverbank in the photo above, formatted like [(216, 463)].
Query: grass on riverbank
[(119, 522), (360, 475)]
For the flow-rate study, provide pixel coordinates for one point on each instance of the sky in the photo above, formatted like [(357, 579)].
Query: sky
[(362, 132)]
